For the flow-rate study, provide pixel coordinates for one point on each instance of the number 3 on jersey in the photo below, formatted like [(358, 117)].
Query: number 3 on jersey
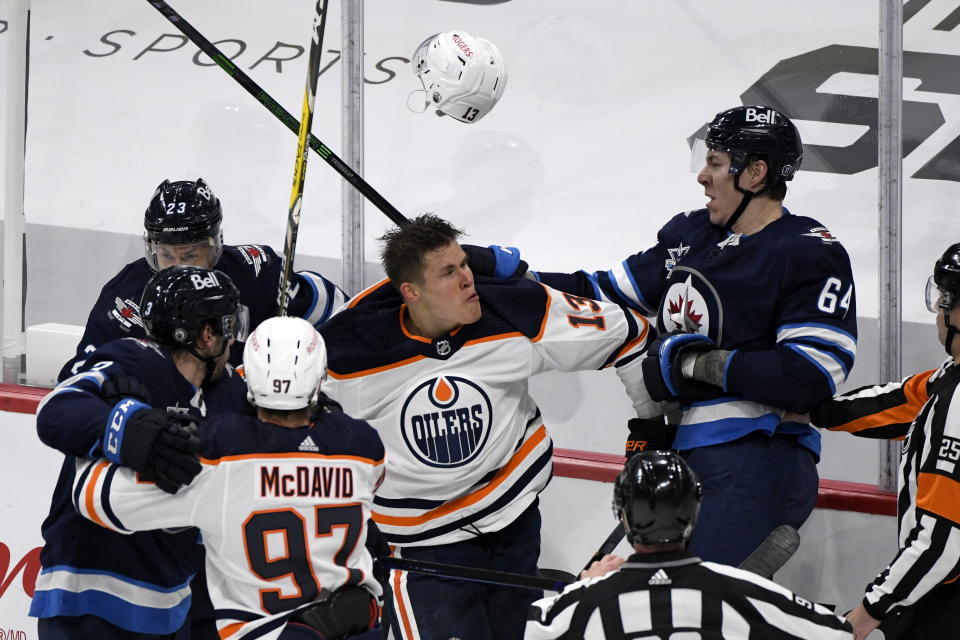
[(830, 295), (583, 305), (277, 547)]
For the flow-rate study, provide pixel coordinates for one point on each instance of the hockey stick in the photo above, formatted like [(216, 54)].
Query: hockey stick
[(608, 545), (300, 167), (773, 552), (489, 576), (274, 107)]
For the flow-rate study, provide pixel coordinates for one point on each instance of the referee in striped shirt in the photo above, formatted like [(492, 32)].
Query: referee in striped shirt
[(663, 592), (917, 595)]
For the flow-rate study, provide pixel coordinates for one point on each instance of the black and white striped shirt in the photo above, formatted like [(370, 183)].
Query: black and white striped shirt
[(675, 595), (924, 407)]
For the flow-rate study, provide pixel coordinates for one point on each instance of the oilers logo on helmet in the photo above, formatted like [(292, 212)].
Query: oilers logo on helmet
[(691, 305), (445, 421)]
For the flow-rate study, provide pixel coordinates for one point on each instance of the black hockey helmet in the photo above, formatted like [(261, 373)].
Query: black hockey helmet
[(943, 290), (178, 301), (183, 212), (657, 496), (750, 132)]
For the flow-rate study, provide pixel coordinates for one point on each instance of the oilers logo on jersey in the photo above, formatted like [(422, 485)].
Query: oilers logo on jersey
[(445, 421), (691, 305)]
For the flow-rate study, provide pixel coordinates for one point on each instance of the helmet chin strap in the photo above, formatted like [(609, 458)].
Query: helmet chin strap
[(952, 331), (209, 361), (744, 201)]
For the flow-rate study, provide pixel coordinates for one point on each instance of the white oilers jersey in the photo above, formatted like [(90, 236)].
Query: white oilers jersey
[(282, 513), (468, 450)]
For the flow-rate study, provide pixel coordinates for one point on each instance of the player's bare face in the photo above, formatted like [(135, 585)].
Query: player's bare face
[(447, 297), (198, 254), (220, 363), (717, 182)]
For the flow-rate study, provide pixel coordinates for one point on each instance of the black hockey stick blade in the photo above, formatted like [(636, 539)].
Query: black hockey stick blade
[(556, 574), (608, 545), (277, 110), (489, 576), (773, 552)]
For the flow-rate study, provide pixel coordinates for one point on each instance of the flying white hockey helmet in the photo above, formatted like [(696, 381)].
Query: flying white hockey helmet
[(463, 75), (284, 362)]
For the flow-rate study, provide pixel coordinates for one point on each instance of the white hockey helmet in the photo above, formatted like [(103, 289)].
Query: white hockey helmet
[(284, 362), (462, 75)]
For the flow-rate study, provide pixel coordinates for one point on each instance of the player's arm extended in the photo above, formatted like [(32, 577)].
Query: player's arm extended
[(314, 298), (119, 499), (875, 411)]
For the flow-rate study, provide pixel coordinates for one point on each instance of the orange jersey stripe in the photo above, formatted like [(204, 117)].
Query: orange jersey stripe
[(640, 338), (915, 391), (91, 492), (460, 503), (940, 495), (291, 455), (546, 315), (229, 630), (367, 372), (363, 294)]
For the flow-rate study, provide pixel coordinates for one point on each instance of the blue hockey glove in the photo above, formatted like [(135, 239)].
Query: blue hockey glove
[(495, 261), (661, 368)]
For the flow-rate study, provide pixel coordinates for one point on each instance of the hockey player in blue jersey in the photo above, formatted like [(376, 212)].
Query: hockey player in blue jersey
[(299, 476), (135, 401), (756, 311), (182, 226)]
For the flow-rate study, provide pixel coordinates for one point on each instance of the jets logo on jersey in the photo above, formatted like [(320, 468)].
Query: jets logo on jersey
[(691, 305), (254, 255), (675, 254), (127, 313), (445, 421), (823, 234)]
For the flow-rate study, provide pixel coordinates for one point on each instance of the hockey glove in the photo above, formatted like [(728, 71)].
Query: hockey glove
[(495, 261), (649, 434), (377, 545), (120, 387), (662, 368), (162, 447), (346, 612)]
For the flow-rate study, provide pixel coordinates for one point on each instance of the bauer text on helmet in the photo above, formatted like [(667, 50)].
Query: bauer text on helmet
[(284, 362), (463, 75)]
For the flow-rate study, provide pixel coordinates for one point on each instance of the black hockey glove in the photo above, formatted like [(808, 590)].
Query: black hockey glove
[(377, 545), (661, 368), (495, 261), (161, 446), (120, 387), (346, 612), (649, 434)]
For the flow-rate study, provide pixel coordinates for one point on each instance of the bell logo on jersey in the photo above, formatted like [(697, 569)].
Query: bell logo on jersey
[(445, 421)]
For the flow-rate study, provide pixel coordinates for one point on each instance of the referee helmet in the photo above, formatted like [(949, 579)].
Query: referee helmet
[(657, 497)]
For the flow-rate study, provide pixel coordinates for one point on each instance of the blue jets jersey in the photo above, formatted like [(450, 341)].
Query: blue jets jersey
[(139, 582), (283, 513), (782, 300), (255, 269), (468, 451)]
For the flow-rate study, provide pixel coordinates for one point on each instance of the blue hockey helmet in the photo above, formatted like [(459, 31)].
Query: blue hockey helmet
[(185, 212), (749, 132)]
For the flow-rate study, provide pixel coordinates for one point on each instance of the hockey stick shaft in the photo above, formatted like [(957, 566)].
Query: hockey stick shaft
[(489, 576), (608, 545), (277, 110), (300, 166), (773, 552)]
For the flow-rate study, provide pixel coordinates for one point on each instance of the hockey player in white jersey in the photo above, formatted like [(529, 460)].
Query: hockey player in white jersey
[(662, 591), (440, 365), (282, 501)]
